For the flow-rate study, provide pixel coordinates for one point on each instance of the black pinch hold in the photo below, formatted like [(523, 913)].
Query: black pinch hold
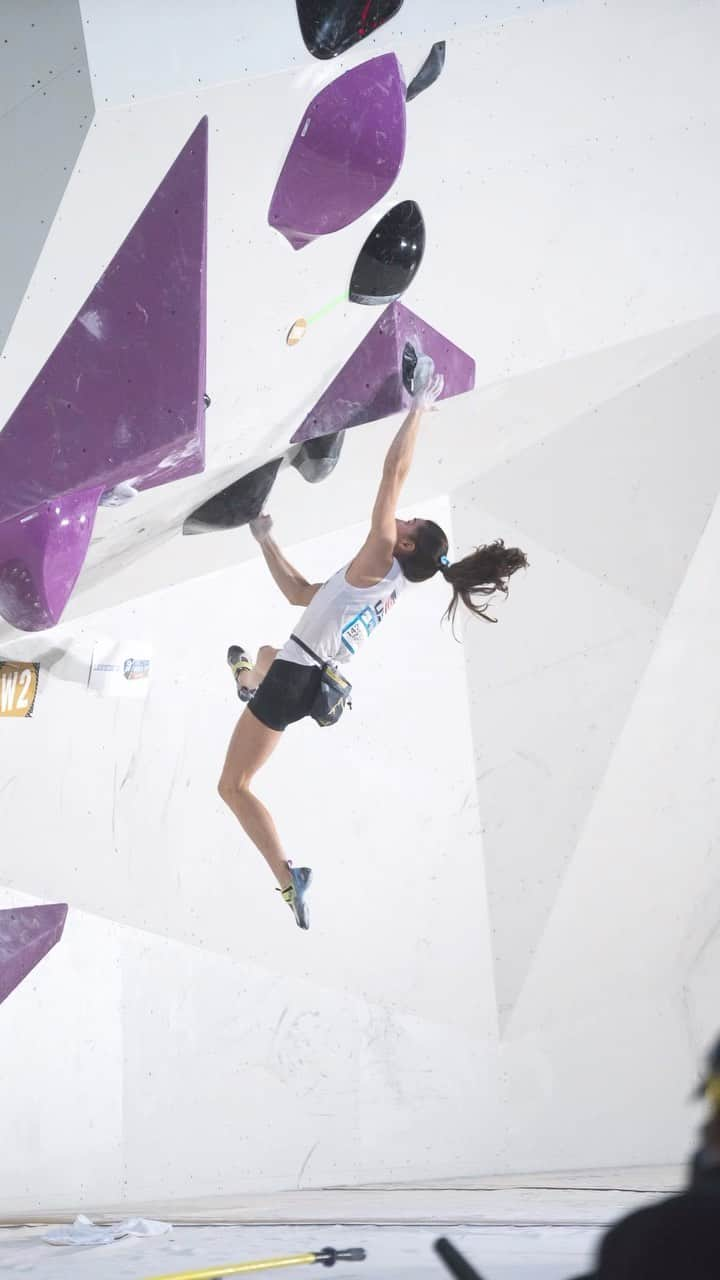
[(429, 72), (409, 364), (318, 458), (330, 27), (236, 505)]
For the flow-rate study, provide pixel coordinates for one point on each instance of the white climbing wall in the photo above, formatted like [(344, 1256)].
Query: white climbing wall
[(514, 955)]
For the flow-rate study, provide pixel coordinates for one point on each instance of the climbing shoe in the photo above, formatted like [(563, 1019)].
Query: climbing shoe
[(239, 661), (294, 895)]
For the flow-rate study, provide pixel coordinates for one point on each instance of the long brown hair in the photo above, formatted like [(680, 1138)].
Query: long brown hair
[(483, 572)]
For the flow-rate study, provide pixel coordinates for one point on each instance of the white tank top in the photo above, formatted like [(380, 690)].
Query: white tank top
[(340, 617)]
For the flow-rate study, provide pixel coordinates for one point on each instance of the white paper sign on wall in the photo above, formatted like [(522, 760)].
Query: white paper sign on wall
[(120, 668)]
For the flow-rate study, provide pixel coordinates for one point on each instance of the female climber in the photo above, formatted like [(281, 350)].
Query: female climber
[(339, 615)]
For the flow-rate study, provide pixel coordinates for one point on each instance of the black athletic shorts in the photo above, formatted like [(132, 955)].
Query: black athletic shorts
[(286, 694)]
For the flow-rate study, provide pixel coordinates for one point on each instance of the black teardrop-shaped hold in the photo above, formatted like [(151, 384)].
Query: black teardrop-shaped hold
[(319, 457), (390, 257), (241, 502), (428, 73), (329, 27)]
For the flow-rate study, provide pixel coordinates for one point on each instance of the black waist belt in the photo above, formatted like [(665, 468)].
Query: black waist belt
[(310, 652)]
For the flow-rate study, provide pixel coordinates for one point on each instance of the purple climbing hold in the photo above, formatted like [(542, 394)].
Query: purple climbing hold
[(26, 935), (346, 154), (121, 396), (41, 555), (370, 384)]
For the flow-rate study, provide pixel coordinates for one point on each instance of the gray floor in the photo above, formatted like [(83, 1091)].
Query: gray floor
[(503, 1252), (510, 1228)]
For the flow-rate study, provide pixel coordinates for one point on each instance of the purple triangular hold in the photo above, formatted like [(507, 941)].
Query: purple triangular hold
[(26, 935), (370, 384), (41, 555), (346, 153), (121, 396)]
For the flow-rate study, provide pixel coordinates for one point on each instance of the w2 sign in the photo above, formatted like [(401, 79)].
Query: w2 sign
[(18, 687)]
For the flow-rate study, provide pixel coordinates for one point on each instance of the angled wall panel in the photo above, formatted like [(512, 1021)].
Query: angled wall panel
[(645, 471), (121, 396), (611, 510), (46, 109)]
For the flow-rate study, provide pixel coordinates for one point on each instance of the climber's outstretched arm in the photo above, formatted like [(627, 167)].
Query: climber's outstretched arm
[(291, 582)]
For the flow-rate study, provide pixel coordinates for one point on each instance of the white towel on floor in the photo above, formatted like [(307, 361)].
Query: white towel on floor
[(83, 1231)]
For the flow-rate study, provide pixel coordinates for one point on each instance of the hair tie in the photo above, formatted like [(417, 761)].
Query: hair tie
[(444, 561)]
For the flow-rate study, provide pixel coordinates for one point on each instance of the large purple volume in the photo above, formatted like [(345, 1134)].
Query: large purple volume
[(121, 396), (346, 154), (370, 385), (41, 555), (26, 935)]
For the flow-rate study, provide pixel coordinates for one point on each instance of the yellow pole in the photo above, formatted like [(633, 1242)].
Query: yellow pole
[(237, 1268)]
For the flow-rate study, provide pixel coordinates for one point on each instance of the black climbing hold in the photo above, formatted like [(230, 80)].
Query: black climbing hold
[(409, 361), (390, 257), (236, 505), (330, 27), (319, 457), (428, 73), (207, 400)]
